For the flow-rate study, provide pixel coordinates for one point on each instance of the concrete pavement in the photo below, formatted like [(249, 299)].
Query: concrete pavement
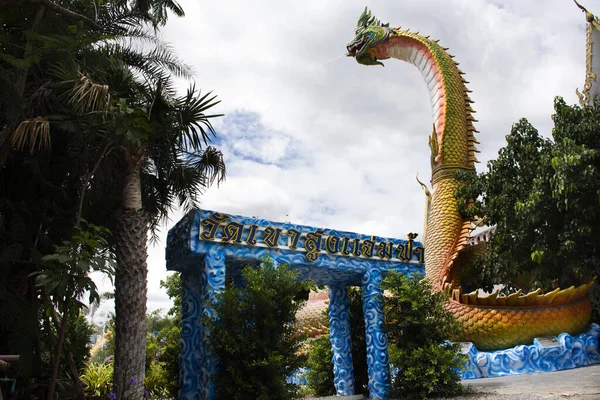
[(581, 382)]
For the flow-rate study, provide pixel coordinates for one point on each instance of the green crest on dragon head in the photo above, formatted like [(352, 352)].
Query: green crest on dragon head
[(369, 33)]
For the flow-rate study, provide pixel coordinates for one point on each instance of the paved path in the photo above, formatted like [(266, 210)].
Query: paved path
[(583, 383), (573, 384)]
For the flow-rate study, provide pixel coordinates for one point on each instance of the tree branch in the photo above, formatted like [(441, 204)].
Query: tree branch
[(54, 7)]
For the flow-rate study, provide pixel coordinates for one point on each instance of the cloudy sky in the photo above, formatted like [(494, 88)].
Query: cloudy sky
[(312, 137)]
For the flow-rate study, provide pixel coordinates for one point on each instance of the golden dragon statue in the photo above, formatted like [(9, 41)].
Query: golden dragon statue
[(490, 321)]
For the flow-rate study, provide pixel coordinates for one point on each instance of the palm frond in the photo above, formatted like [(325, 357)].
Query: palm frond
[(152, 65), (211, 165), (18, 63), (10, 101), (194, 122), (35, 131), (88, 96), (139, 33), (164, 56)]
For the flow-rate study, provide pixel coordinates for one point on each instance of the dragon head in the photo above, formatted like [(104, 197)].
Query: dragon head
[(369, 33)]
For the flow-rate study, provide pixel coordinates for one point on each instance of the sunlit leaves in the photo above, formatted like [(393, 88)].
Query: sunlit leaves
[(66, 273), (543, 198)]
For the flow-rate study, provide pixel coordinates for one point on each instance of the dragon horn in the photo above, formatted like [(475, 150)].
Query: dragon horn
[(363, 19), (366, 20)]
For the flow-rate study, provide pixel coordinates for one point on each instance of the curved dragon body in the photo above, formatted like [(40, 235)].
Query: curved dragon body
[(490, 322)]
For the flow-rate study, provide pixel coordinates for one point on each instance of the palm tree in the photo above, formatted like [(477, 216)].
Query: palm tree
[(152, 154), (165, 162)]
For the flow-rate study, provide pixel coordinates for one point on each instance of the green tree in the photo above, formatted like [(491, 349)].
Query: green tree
[(173, 288), (418, 328), (542, 197), (254, 337)]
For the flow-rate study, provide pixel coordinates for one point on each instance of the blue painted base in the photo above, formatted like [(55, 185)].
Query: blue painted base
[(565, 352)]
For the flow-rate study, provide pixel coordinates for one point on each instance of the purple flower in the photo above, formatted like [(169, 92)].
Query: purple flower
[(132, 381), (112, 396), (146, 394)]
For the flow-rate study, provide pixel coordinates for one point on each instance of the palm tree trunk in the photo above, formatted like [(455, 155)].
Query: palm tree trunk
[(130, 287)]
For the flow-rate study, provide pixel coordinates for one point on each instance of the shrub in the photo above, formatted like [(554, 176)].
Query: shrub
[(78, 344), (418, 329), (97, 379), (254, 337), (156, 381), (426, 371), (320, 367), (169, 359)]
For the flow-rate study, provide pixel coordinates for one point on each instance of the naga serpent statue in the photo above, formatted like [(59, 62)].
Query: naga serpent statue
[(489, 321)]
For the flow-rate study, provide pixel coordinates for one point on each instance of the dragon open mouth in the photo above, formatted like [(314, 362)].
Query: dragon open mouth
[(357, 47)]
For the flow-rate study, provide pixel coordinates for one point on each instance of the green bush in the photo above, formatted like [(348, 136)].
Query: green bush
[(169, 359), (156, 381), (97, 379), (425, 371), (320, 367), (78, 343), (418, 329), (254, 337)]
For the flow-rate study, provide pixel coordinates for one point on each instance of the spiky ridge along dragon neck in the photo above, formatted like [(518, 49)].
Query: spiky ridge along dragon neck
[(490, 322)]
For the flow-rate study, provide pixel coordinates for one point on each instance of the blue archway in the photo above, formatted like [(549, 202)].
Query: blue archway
[(206, 247)]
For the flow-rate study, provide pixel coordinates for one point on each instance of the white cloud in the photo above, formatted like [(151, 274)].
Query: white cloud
[(315, 138)]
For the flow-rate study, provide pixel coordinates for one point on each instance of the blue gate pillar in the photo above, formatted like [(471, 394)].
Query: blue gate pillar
[(213, 281), (377, 351), (190, 370), (197, 364), (341, 344)]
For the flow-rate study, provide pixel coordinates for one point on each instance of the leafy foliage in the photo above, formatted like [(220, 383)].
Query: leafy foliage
[(157, 381), (254, 336), (78, 343), (162, 354), (66, 273), (173, 288), (418, 327), (97, 379), (320, 367), (543, 197), (63, 73)]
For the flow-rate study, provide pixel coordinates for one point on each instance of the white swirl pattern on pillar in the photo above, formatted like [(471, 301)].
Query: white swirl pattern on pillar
[(191, 333), (376, 338), (341, 344), (213, 281)]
